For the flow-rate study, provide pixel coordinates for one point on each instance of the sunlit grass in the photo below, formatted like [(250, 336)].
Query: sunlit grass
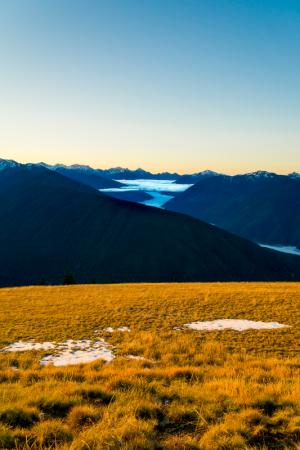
[(193, 390)]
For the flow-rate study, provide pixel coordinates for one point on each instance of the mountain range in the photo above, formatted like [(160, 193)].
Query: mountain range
[(261, 206), (99, 178), (119, 173), (51, 225)]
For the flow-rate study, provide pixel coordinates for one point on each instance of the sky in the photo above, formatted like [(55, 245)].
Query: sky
[(177, 85)]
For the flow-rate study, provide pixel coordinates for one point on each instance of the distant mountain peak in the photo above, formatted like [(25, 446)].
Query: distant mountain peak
[(80, 167), (294, 175), (114, 170), (8, 164), (49, 166), (207, 173), (64, 166), (261, 174)]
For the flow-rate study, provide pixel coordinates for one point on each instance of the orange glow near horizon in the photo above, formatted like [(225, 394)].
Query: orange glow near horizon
[(229, 167)]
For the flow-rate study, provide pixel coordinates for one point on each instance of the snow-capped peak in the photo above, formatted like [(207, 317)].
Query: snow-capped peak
[(80, 167), (8, 164), (206, 173), (261, 174), (47, 166), (114, 170), (64, 166), (294, 175), (118, 170)]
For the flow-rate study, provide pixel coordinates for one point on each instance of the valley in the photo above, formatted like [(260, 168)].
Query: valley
[(160, 191)]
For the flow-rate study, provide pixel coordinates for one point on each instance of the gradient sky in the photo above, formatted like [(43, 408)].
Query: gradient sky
[(181, 85)]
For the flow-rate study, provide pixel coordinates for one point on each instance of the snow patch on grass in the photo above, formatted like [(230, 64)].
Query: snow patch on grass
[(79, 352), (234, 324), (138, 358), (112, 330), (22, 346), (68, 352)]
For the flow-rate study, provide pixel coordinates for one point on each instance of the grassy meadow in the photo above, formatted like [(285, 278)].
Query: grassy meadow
[(205, 390)]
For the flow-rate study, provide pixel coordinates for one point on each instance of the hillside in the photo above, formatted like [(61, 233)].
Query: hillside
[(263, 207), (86, 175), (51, 225), (129, 196), (166, 386)]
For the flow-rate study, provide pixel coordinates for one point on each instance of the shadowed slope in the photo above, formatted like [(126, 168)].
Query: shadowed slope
[(86, 175), (262, 207), (50, 225)]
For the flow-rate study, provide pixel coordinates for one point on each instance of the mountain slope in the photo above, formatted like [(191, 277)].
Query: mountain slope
[(129, 196), (294, 175), (194, 177), (263, 207), (86, 175), (50, 225)]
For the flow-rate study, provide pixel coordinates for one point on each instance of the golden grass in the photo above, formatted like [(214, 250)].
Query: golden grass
[(195, 390)]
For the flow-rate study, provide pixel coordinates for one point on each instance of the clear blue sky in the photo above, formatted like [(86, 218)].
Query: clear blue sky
[(179, 85)]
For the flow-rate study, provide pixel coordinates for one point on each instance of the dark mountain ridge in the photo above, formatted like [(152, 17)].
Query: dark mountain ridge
[(121, 173), (84, 174), (50, 225), (261, 206)]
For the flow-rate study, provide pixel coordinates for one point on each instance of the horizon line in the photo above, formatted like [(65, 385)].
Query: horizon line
[(150, 171)]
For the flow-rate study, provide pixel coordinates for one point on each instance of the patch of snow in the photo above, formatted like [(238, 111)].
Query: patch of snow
[(294, 175), (234, 324), (114, 170), (22, 346), (137, 358), (68, 352), (261, 174), (112, 330), (8, 164), (123, 329), (206, 173), (79, 352), (283, 248)]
